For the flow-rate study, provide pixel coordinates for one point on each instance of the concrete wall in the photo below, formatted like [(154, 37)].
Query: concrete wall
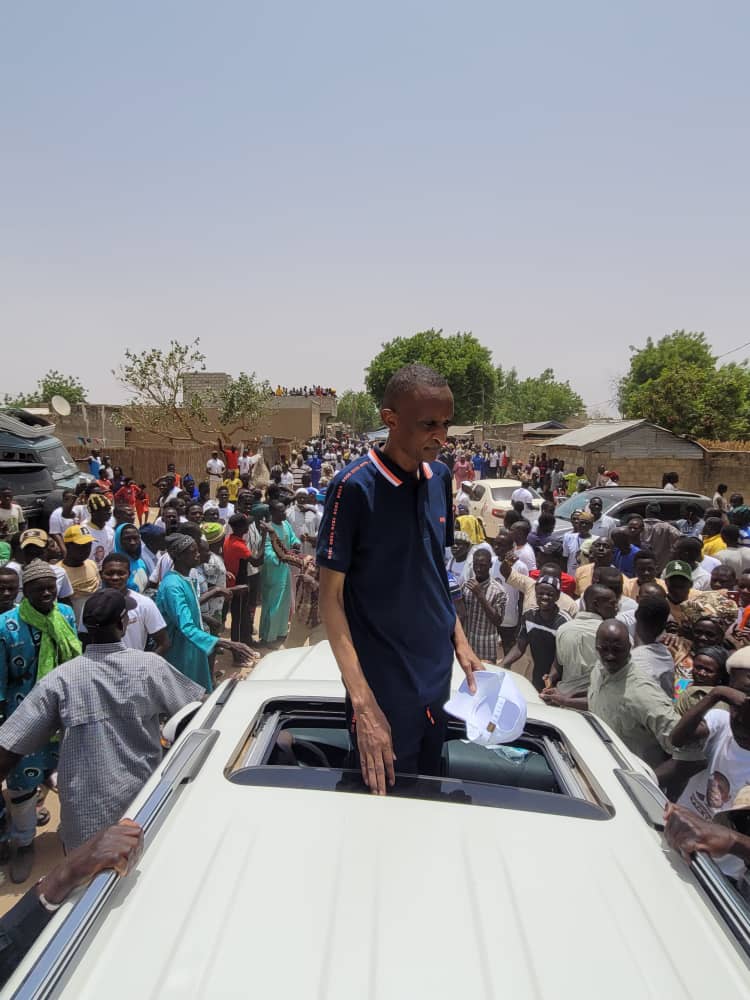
[(730, 467), (701, 475), (207, 385), (94, 423), (296, 418)]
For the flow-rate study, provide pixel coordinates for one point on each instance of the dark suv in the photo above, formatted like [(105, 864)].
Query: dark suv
[(33, 489), (620, 501)]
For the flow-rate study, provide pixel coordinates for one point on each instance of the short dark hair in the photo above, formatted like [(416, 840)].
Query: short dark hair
[(546, 522), (730, 534), (689, 543), (524, 525), (712, 526), (191, 530), (114, 557), (241, 521), (643, 554), (595, 593), (409, 378), (653, 612), (512, 517)]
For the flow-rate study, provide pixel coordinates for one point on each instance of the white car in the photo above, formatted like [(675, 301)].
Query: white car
[(533, 871), (489, 499)]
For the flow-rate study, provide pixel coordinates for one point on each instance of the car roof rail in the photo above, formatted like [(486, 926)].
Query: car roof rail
[(180, 767)]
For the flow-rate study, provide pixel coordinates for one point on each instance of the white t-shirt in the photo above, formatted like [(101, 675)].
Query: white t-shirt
[(104, 543), (304, 522), (143, 620), (522, 495), (64, 587), (244, 464), (58, 524), (287, 479), (81, 511), (12, 518), (215, 467), (512, 596), (526, 554), (224, 512), (727, 771)]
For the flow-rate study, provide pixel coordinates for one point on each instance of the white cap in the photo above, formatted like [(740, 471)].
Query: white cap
[(170, 729), (495, 714)]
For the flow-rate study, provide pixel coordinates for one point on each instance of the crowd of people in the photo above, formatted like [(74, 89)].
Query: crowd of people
[(305, 390), (547, 475), (119, 601), (126, 601), (646, 623)]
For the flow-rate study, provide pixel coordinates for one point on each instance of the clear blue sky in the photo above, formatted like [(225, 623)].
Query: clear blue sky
[(297, 182)]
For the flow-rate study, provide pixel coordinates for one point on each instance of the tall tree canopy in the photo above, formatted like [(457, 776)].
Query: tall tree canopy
[(465, 363), (155, 380), (358, 410), (54, 383), (535, 398), (676, 383)]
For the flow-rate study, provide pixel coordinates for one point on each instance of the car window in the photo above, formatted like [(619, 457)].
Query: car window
[(579, 501), (635, 506), (503, 492), (477, 493), (21, 483)]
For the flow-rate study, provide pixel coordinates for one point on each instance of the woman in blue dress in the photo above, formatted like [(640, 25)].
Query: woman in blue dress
[(276, 577), (177, 600)]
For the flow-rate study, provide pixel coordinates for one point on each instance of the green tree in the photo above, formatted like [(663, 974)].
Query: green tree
[(534, 398), (156, 383), (358, 410), (54, 383), (676, 383), (460, 358)]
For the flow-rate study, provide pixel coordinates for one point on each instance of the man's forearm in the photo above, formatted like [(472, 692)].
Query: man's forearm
[(459, 636), (685, 729)]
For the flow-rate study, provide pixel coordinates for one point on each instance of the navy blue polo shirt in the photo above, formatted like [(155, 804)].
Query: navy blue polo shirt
[(387, 530)]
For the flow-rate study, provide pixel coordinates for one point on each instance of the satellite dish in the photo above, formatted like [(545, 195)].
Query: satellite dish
[(60, 405)]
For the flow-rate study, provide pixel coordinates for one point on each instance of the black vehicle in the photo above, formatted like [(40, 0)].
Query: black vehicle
[(34, 490), (621, 501)]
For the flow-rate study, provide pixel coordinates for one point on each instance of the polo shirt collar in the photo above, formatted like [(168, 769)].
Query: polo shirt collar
[(392, 472)]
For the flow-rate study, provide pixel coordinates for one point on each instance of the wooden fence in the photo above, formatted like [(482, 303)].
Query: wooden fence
[(146, 465)]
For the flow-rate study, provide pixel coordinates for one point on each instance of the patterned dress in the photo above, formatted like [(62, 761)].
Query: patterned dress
[(19, 653)]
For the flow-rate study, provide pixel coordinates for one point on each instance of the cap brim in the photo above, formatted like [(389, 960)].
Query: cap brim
[(33, 541)]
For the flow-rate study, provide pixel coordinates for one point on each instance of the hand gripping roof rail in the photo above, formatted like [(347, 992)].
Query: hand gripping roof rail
[(650, 802), (180, 768)]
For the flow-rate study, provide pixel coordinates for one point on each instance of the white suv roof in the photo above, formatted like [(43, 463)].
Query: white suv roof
[(286, 888)]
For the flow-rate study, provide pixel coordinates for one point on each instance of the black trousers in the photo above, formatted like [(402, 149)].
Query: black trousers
[(508, 637), (242, 625), (417, 733)]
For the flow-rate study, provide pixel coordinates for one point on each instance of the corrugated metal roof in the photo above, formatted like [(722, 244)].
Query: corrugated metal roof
[(544, 425), (595, 433), (463, 430)]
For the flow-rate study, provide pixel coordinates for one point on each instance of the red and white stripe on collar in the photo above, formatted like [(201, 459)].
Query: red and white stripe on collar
[(386, 472)]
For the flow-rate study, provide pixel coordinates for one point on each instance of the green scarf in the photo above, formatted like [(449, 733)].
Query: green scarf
[(59, 642)]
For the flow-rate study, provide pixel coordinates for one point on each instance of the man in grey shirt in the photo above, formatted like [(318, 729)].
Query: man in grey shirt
[(650, 653), (107, 704)]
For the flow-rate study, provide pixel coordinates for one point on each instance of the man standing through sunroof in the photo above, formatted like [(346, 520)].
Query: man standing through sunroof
[(384, 593)]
